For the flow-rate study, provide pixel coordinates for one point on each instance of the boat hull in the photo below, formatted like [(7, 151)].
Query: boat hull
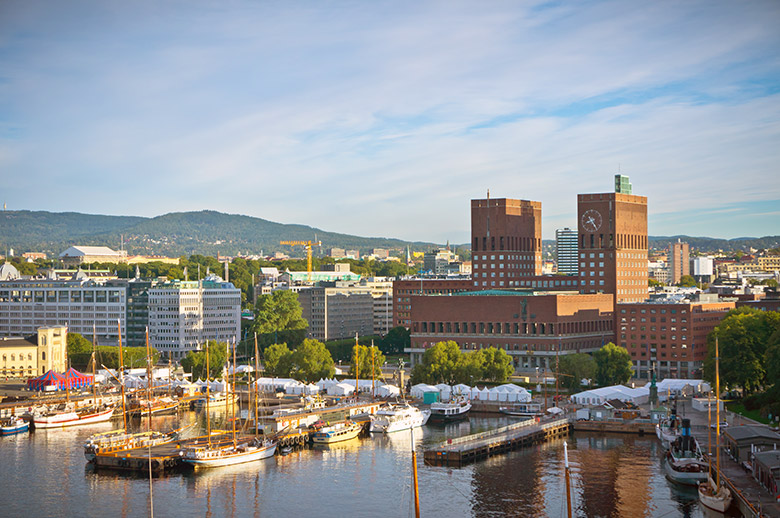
[(719, 501), (330, 437), (385, 424), (687, 478), (232, 459), (444, 413), (66, 419), (14, 429)]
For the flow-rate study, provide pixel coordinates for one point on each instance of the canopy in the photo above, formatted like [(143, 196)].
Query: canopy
[(75, 379), (48, 379)]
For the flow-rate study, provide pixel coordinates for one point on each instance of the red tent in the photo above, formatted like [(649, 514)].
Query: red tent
[(75, 379), (51, 378)]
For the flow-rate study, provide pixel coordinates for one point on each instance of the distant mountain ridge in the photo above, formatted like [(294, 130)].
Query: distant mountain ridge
[(180, 233), (209, 232)]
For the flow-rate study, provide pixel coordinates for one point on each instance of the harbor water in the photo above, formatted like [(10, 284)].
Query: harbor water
[(44, 474)]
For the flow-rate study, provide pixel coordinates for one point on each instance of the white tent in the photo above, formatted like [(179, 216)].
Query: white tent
[(677, 387), (462, 389), (484, 394), (241, 369), (493, 394), (599, 396), (445, 391), (341, 389), (420, 389), (364, 385), (388, 391)]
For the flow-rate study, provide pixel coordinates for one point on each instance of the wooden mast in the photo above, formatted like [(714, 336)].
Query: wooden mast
[(148, 379), (94, 363), (373, 378), (208, 395), (414, 478), (567, 478), (357, 367), (717, 415), (257, 392), (121, 374), (233, 406)]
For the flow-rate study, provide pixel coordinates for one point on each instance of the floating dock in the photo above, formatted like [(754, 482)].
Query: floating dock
[(470, 448)]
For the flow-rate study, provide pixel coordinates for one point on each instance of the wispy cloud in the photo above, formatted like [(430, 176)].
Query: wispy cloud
[(371, 118)]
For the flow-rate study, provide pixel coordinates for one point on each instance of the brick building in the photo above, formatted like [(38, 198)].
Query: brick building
[(679, 261), (530, 325), (671, 332)]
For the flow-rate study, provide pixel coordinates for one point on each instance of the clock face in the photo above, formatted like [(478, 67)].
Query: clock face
[(591, 220)]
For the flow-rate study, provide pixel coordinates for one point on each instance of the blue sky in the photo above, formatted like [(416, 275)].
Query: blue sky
[(386, 118)]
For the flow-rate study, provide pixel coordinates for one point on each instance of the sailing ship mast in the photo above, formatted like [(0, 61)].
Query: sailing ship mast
[(148, 379), (373, 378), (208, 394), (717, 415), (357, 367), (414, 478), (94, 364), (567, 477), (257, 389), (233, 406), (121, 374)]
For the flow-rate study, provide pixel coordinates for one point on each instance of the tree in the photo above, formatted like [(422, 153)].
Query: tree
[(470, 367), (577, 367), (687, 281), (743, 335), (311, 361), (78, 344), (497, 364), (613, 365), (438, 364), (195, 361), (396, 340), (654, 283), (278, 318), (364, 357), (277, 360)]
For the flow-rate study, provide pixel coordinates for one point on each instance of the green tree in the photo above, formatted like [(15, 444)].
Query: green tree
[(613, 365), (654, 283), (278, 318), (576, 367), (364, 357), (195, 361), (278, 360), (438, 364), (396, 340), (78, 344), (469, 368), (743, 338), (312, 361), (497, 364), (687, 281)]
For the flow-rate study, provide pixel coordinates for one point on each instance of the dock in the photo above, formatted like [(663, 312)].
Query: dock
[(634, 426), (470, 448)]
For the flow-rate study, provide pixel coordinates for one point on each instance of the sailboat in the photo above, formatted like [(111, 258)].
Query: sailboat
[(713, 493), (231, 451)]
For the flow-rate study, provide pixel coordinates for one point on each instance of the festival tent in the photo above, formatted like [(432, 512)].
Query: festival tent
[(599, 396), (678, 387), (445, 391), (462, 389), (388, 391), (49, 379), (75, 379), (324, 384), (484, 394), (419, 390), (341, 389)]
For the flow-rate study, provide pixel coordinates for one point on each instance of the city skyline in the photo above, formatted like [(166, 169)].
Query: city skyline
[(366, 119)]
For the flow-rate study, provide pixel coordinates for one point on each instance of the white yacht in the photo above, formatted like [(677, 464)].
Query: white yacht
[(396, 417)]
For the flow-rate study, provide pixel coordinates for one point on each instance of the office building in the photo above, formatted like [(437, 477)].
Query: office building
[(679, 261), (566, 251), (183, 315)]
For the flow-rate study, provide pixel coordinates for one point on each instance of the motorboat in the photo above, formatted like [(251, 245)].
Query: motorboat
[(454, 410), (396, 417)]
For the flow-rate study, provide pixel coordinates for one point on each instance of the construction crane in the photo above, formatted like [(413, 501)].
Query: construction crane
[(308, 245)]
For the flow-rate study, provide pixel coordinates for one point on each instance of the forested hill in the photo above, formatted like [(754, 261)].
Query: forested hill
[(175, 234)]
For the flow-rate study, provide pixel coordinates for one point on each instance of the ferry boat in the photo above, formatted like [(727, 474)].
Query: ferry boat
[(667, 430), (394, 418), (684, 462), (342, 431), (77, 417), (522, 410), (228, 454), (454, 410), (13, 425)]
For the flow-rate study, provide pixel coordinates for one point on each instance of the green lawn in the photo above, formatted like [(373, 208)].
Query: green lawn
[(739, 408)]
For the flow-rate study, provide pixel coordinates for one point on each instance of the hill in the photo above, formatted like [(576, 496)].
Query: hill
[(174, 234)]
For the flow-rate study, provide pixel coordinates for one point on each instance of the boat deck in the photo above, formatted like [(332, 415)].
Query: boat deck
[(471, 448)]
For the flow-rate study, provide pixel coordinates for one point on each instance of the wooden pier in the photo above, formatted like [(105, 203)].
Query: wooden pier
[(470, 448)]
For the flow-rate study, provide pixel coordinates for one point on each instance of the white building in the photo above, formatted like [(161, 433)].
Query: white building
[(566, 251), (183, 315), (78, 303), (77, 255)]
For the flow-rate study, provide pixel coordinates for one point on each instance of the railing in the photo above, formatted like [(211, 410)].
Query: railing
[(501, 430)]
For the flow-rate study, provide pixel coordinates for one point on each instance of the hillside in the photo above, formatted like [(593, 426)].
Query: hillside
[(174, 234)]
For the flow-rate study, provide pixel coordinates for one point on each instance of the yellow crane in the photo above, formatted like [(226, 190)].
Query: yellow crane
[(308, 245)]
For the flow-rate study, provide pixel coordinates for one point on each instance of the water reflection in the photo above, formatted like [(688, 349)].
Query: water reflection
[(369, 476)]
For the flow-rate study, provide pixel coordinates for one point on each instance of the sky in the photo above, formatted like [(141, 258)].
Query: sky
[(384, 119)]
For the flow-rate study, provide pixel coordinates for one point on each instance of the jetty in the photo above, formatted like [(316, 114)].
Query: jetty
[(470, 448)]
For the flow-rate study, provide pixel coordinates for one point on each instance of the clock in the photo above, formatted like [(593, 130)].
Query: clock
[(591, 220)]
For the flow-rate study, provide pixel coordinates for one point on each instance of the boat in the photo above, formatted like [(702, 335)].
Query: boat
[(120, 440), (216, 399), (668, 429), (341, 431), (522, 410), (454, 410), (13, 426), (396, 417), (684, 462), (73, 417), (236, 450), (140, 407), (713, 493)]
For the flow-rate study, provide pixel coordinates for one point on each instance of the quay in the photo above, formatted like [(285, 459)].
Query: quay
[(471, 448), (635, 426)]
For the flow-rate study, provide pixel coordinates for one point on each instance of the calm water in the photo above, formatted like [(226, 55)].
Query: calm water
[(45, 474)]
